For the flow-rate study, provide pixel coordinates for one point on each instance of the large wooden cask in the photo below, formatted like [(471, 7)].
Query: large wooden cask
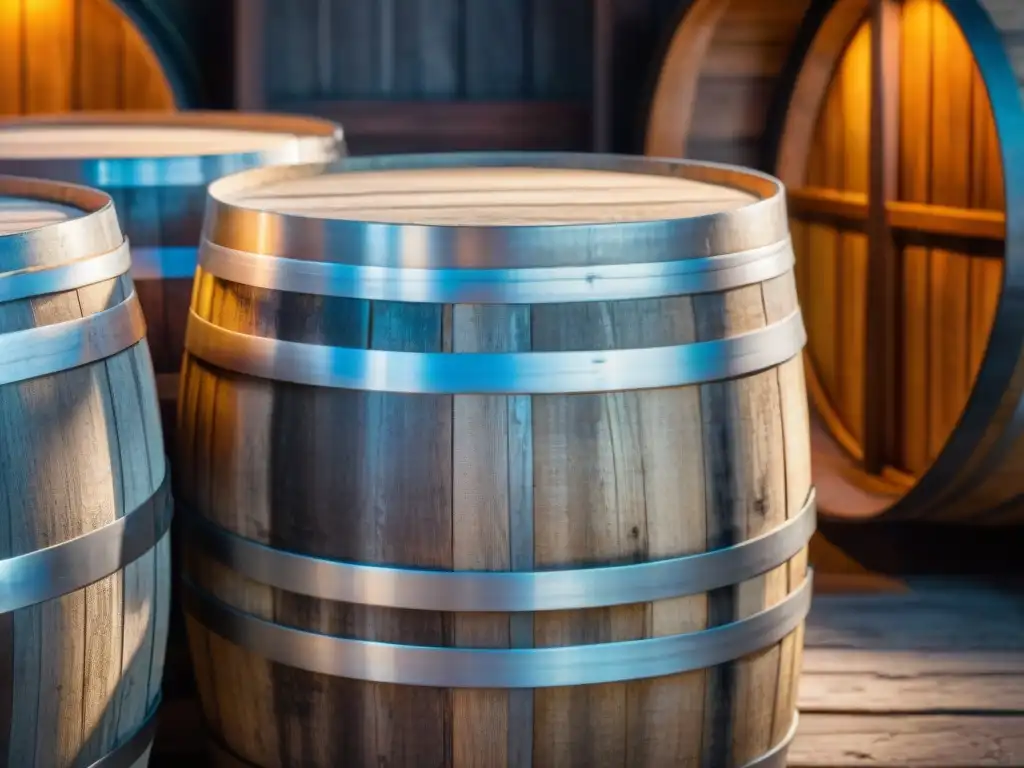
[(904, 252), (156, 166), (84, 501), (496, 460)]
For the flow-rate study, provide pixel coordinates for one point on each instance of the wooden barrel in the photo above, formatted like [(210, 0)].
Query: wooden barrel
[(479, 448), (84, 501), (912, 374), (934, 438), (156, 166)]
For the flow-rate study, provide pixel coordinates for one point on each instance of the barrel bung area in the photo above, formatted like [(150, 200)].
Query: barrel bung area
[(891, 125)]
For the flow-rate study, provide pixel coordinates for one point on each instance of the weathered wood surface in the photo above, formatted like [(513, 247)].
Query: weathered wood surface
[(932, 678), (79, 449), (63, 55), (494, 482)]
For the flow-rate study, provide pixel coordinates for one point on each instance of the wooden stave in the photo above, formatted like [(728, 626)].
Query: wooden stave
[(124, 726), (202, 491)]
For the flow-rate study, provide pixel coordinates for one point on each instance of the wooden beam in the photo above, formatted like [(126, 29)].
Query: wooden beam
[(945, 221), (923, 218), (881, 366), (250, 43), (424, 126), (815, 202)]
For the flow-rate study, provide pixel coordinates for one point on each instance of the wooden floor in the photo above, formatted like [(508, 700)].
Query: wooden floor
[(929, 677), (909, 673)]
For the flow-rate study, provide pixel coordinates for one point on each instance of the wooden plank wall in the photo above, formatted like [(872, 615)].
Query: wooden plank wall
[(345, 58), (63, 55), (949, 156)]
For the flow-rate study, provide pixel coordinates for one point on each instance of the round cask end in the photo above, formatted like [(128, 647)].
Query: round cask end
[(937, 438), (469, 481), (156, 167), (85, 506)]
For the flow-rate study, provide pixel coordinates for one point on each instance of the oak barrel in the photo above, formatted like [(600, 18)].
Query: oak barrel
[(477, 447), (935, 437), (156, 166), (84, 502)]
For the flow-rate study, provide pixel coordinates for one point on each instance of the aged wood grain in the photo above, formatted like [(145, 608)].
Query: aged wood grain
[(505, 482), (76, 54), (79, 449), (853, 741)]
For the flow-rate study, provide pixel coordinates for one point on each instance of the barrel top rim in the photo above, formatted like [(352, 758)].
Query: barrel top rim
[(96, 231), (244, 227), (769, 190), (296, 127), (85, 199)]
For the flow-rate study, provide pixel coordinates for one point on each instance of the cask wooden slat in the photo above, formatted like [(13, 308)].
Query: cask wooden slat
[(76, 54), (718, 78), (99, 79), (496, 482)]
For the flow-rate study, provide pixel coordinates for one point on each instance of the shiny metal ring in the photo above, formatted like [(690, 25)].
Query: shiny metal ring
[(246, 225), (489, 373), (64, 568), (128, 754), (488, 591), (776, 756), (59, 347), (499, 668), (96, 231), (163, 263), (40, 281), (610, 282)]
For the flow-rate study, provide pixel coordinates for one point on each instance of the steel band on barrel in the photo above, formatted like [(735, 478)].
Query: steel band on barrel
[(499, 668), (163, 263), (494, 373), (487, 591), (538, 285), (131, 751), (95, 231), (50, 349), (69, 276), (64, 568)]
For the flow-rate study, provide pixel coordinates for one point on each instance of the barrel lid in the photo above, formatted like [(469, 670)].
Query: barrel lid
[(506, 209), (146, 149), (47, 223)]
